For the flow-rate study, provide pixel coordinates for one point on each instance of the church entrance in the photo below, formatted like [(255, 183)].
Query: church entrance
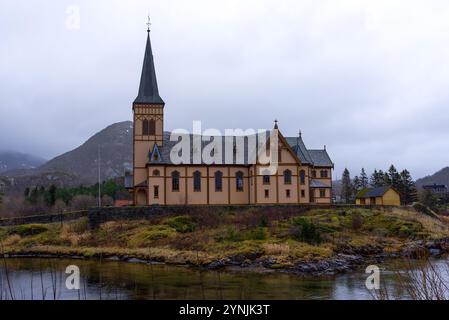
[(141, 197)]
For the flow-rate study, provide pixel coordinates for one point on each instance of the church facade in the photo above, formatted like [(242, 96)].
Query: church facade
[(302, 176)]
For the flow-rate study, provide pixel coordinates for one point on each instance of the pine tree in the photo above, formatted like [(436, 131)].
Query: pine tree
[(346, 188), (356, 184), (394, 177), (378, 179), (407, 188), (374, 178), (386, 181), (363, 179)]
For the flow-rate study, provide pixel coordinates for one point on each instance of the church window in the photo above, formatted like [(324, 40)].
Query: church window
[(322, 193), (287, 193), (156, 173), (156, 192), (302, 177), (218, 181), (323, 173), (239, 180), (266, 179), (175, 181), (197, 181), (267, 193), (151, 127), (287, 177), (145, 127)]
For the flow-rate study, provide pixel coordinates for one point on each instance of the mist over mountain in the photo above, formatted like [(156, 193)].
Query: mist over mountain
[(10, 160), (80, 166)]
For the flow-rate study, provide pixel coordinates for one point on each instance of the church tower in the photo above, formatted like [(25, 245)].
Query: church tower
[(148, 110)]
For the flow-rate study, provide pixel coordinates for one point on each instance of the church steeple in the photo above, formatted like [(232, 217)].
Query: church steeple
[(148, 90)]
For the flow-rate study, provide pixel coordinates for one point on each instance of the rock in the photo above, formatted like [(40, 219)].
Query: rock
[(217, 264)]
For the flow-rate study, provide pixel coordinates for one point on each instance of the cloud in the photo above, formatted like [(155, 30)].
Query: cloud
[(367, 78)]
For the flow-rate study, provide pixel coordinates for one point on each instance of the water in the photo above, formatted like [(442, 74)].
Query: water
[(34, 278)]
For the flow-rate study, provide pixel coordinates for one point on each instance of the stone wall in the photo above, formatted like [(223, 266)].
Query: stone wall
[(98, 216), (48, 218)]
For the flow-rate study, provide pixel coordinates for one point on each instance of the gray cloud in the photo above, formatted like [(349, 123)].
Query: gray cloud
[(367, 78)]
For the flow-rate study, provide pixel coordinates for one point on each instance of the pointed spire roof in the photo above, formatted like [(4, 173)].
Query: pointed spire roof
[(148, 91)]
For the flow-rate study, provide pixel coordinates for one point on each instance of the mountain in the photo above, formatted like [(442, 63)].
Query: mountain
[(440, 177), (80, 166), (15, 160), (113, 144)]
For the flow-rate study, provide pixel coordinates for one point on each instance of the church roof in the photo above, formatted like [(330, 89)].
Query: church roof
[(318, 158), (148, 90)]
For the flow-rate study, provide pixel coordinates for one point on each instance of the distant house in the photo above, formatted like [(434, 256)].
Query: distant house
[(439, 190), (386, 196)]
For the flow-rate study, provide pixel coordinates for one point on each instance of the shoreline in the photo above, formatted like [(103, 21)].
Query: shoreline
[(337, 264)]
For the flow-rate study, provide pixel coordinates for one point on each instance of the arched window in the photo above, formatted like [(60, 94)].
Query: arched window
[(145, 127), (151, 127), (175, 181), (197, 181), (287, 177), (302, 177), (218, 181), (156, 173), (239, 181)]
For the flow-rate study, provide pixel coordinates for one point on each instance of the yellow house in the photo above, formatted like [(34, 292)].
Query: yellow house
[(302, 176), (382, 196)]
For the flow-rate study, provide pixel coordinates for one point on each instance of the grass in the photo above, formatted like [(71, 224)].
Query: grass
[(203, 238)]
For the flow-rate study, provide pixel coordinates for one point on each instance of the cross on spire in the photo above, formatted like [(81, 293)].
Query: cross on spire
[(148, 24)]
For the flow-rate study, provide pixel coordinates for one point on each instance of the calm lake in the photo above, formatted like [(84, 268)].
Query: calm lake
[(35, 278)]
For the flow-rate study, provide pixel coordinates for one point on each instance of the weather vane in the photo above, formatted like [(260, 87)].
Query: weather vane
[(148, 23)]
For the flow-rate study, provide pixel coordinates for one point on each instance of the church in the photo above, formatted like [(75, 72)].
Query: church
[(301, 175)]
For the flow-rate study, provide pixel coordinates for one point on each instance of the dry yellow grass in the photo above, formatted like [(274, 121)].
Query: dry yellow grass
[(436, 228)]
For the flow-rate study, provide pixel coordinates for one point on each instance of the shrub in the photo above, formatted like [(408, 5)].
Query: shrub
[(357, 221), (28, 230), (263, 222), (231, 234), (182, 224), (256, 234), (306, 231)]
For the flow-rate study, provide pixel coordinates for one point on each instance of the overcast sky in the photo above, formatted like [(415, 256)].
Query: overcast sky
[(369, 79)]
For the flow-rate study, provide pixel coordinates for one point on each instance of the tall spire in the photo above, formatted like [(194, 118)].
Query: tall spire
[(148, 90)]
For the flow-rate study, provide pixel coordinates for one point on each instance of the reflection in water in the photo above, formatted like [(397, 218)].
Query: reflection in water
[(38, 279)]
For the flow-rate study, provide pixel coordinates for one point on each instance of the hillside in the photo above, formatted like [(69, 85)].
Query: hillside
[(115, 144), (440, 177), (316, 240), (80, 165), (16, 161)]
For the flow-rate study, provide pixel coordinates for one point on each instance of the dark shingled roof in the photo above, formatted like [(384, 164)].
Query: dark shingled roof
[(373, 192), (148, 91), (318, 184), (320, 158), (312, 157)]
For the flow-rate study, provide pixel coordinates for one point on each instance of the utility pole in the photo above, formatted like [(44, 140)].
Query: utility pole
[(99, 178)]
